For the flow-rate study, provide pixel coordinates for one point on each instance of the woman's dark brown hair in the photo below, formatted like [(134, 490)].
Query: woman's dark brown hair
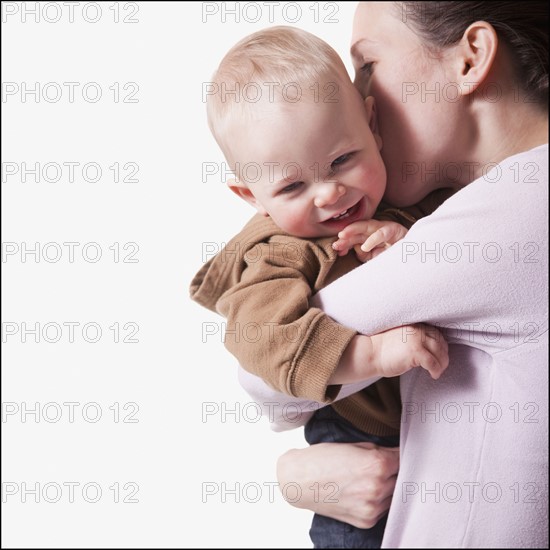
[(522, 26)]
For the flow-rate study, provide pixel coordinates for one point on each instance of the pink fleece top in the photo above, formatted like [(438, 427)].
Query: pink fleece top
[(474, 444)]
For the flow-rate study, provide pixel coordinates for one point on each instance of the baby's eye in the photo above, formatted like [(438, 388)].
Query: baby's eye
[(291, 187), (342, 159)]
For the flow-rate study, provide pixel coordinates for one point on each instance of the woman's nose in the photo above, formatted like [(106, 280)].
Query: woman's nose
[(329, 194)]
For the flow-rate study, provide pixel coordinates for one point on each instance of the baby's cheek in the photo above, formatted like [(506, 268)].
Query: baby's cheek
[(297, 226), (295, 223), (373, 178)]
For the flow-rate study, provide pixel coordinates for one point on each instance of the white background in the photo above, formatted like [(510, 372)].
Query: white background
[(184, 465)]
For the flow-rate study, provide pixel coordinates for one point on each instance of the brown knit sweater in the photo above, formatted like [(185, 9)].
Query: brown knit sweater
[(262, 282)]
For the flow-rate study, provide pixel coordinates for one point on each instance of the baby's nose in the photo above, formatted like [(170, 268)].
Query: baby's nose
[(329, 195)]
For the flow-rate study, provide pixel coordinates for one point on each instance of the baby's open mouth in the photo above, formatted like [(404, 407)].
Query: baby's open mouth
[(346, 216), (343, 214)]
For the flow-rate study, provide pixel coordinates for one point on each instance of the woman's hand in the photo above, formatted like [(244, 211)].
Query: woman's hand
[(351, 482)]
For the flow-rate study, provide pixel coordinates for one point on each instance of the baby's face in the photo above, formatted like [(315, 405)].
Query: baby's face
[(314, 167)]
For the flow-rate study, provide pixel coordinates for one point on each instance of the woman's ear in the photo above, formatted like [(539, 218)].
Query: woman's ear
[(476, 53), (243, 191), (372, 119)]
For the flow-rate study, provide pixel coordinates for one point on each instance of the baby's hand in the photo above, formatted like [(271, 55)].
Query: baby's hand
[(368, 238), (398, 350)]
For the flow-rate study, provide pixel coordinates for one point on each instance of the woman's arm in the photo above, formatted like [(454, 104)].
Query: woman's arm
[(283, 411), (475, 268)]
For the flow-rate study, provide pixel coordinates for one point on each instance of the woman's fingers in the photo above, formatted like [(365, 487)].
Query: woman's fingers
[(388, 458), (385, 505)]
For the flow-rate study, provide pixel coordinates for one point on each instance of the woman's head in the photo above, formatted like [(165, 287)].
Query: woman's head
[(523, 29), (449, 78)]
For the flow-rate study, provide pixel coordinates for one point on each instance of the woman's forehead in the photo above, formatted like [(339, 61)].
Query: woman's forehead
[(370, 22), (379, 25)]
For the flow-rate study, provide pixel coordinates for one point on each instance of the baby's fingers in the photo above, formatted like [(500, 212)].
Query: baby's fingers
[(362, 227), (378, 238), (344, 243), (435, 355), (430, 363), (362, 256), (438, 347), (341, 246), (386, 235)]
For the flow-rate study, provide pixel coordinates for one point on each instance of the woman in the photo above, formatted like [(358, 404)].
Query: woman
[(461, 90)]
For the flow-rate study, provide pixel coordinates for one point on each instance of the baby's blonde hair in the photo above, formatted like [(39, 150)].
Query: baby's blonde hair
[(283, 64)]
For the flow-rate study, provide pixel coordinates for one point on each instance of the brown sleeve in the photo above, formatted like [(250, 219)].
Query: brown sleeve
[(272, 330)]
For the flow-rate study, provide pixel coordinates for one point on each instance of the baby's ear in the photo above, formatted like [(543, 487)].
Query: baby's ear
[(372, 119), (242, 190)]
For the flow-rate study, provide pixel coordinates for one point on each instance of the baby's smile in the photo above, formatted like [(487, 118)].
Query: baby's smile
[(347, 216)]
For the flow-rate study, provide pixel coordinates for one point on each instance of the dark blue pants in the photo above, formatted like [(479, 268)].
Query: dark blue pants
[(327, 426)]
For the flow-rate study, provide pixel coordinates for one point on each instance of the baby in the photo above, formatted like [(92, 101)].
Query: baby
[(305, 149)]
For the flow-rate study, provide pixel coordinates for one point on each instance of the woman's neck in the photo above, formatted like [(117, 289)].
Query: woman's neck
[(509, 128)]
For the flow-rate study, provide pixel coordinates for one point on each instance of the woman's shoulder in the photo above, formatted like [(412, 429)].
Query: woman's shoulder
[(520, 179), (529, 167), (507, 205), (525, 167)]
